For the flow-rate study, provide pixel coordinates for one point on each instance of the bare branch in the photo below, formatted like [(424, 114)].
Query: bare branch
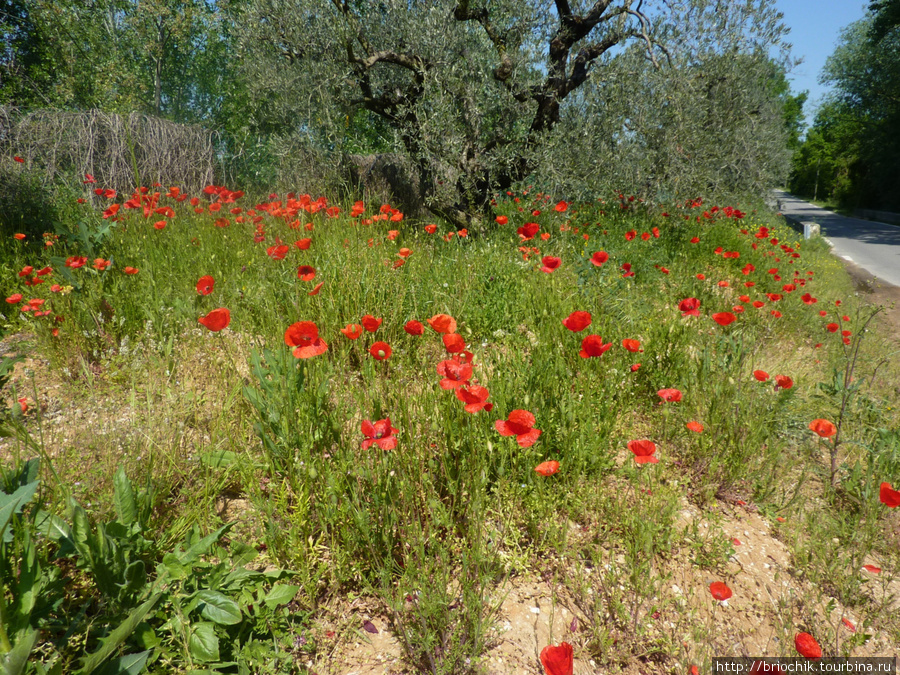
[(563, 9), (645, 33), (409, 61), (585, 58)]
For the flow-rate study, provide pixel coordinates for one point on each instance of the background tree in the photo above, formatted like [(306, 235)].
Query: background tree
[(481, 96), (164, 57), (857, 126)]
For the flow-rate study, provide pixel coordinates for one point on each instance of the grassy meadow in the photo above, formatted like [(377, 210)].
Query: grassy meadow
[(256, 435)]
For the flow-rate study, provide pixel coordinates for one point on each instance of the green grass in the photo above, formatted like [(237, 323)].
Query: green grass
[(434, 529)]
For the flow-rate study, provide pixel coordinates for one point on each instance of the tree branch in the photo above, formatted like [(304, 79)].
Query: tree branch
[(563, 9), (409, 61)]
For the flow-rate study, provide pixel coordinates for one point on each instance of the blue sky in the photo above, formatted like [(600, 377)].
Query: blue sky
[(815, 28)]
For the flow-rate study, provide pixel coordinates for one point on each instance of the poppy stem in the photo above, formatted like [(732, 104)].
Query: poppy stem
[(852, 355)]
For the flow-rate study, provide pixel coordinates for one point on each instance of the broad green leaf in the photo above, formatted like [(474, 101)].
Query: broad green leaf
[(219, 608), (53, 526), (218, 459), (204, 643), (241, 553), (135, 576), (173, 566), (126, 507), (130, 664), (114, 640), (10, 504), (30, 471), (281, 594), (145, 636), (16, 660), (81, 530), (202, 546)]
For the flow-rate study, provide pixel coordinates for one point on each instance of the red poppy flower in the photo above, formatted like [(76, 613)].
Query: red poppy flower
[(558, 660), (761, 375), (872, 569), (76, 261), (849, 624), (643, 451), (18, 235), (502, 220), (632, 345), (381, 433), (18, 159), (304, 336), (724, 318), (577, 321), (306, 272), (370, 323), (205, 285), (475, 398), (442, 323), (599, 258), (216, 320), (431, 229), (528, 231), (551, 264), (278, 252), (635, 367), (414, 327), (318, 287), (631, 234), (832, 328), (720, 591), (547, 468), (888, 496), (561, 206), (454, 373), (519, 423), (14, 299), (453, 342), (783, 382), (689, 307), (593, 345), (352, 331), (131, 270), (695, 426), (303, 244), (808, 299), (380, 351), (670, 395), (823, 428), (806, 645)]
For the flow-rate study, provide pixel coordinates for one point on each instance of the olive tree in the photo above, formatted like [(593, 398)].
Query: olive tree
[(483, 94)]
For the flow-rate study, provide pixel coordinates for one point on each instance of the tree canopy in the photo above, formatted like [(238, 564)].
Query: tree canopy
[(671, 97), (852, 151)]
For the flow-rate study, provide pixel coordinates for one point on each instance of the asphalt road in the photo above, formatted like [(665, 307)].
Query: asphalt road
[(873, 246)]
